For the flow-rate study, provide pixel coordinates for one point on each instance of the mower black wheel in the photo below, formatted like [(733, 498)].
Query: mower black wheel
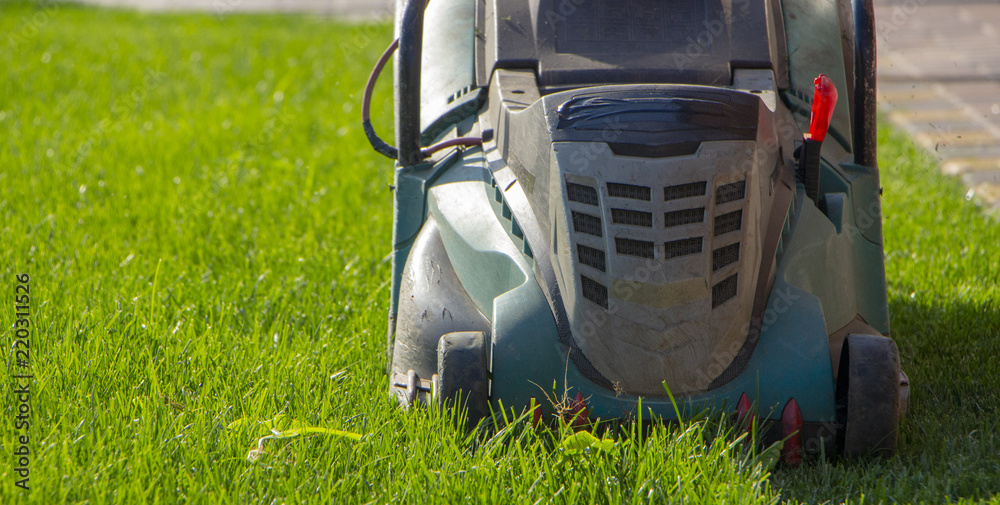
[(867, 395), (463, 374)]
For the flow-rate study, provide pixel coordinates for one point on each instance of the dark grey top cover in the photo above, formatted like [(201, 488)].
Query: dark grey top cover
[(580, 42)]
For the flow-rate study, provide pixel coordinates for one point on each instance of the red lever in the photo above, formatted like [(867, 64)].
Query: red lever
[(744, 413), (791, 431), (824, 100), (743, 406), (536, 412), (579, 412)]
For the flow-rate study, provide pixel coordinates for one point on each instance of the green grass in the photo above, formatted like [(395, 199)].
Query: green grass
[(206, 231), (943, 270)]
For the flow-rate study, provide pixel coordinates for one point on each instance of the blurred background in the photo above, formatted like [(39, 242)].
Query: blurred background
[(339, 8), (939, 71), (939, 79)]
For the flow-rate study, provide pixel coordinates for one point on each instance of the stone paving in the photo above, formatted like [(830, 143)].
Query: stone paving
[(939, 79)]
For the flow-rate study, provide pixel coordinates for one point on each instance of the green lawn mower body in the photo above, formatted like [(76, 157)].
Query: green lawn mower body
[(623, 204)]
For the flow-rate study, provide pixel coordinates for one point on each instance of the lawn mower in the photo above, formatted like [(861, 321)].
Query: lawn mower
[(665, 205)]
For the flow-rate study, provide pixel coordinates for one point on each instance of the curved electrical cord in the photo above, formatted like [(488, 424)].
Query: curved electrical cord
[(377, 143), (380, 145), (460, 141)]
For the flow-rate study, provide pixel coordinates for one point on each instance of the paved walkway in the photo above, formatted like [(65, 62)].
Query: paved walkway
[(939, 79)]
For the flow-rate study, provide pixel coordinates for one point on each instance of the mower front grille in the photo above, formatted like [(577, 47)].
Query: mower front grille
[(683, 191), (591, 257), (683, 217), (728, 223), (585, 223), (725, 256), (638, 248), (594, 291), (701, 229), (632, 217), (724, 291), (683, 247), (730, 192), (581, 193), (628, 191)]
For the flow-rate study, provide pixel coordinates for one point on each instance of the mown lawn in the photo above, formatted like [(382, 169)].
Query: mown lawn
[(206, 231), (943, 270)]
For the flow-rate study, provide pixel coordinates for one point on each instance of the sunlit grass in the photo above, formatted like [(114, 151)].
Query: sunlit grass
[(206, 231), (943, 270)]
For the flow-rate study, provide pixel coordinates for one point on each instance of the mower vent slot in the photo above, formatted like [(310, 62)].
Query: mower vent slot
[(631, 247), (730, 192), (632, 217), (682, 217), (515, 229), (581, 193), (628, 191), (585, 223), (594, 291), (683, 191), (503, 210), (724, 291), (727, 223), (725, 256), (655, 151), (591, 257), (683, 247)]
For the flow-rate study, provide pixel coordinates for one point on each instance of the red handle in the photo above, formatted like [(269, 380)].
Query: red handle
[(824, 100)]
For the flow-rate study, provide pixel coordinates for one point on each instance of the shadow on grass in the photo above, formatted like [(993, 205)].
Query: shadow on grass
[(949, 444)]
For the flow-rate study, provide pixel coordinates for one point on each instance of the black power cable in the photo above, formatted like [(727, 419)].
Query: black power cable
[(366, 122), (380, 145)]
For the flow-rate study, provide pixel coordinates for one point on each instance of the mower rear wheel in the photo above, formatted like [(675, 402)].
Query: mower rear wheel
[(463, 374), (868, 402)]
